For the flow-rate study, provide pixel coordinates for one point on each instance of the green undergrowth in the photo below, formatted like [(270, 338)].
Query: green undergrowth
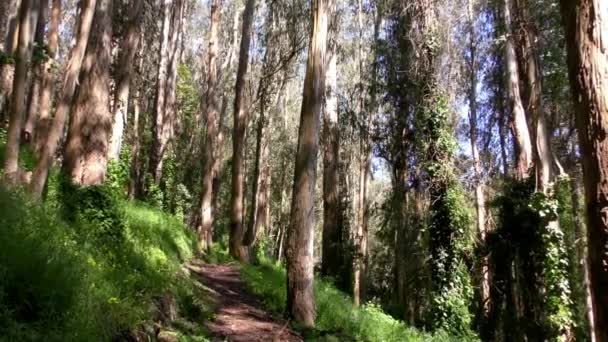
[(337, 318), (92, 270)]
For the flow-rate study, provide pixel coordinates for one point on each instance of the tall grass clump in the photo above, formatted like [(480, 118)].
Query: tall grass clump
[(89, 269), (337, 318)]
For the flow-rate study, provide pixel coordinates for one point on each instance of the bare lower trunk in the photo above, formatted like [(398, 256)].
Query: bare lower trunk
[(241, 115), (128, 49), (11, 153), (135, 146), (585, 23), (212, 159), (77, 52), (300, 239), (85, 155)]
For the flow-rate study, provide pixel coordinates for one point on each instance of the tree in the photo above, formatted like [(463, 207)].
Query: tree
[(300, 237), (128, 50), (85, 155), (586, 31), (9, 34), (241, 116), (46, 91), (64, 99), (211, 157), (331, 261), (521, 132), (27, 13)]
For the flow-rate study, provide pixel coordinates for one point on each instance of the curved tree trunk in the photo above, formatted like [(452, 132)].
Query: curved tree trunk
[(65, 98), (85, 155), (300, 238), (241, 116), (586, 27)]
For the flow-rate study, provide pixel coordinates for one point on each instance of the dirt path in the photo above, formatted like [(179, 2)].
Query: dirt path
[(239, 316)]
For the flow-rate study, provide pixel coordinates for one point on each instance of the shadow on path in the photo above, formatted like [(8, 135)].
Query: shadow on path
[(239, 316)]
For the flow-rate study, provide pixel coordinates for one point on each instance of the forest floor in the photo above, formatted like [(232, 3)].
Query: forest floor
[(239, 315)]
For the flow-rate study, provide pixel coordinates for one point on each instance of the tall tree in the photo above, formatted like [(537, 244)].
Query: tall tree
[(479, 184), (85, 155), (331, 253), (27, 13), (33, 102), (241, 116), (48, 81), (211, 157), (519, 125), (300, 238), (9, 33), (64, 99), (124, 70), (586, 29)]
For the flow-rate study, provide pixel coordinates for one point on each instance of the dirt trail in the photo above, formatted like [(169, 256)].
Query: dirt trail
[(239, 316)]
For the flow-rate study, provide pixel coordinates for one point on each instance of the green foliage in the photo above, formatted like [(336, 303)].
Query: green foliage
[(40, 54), (337, 318), (449, 223), (27, 157), (6, 58), (118, 173), (81, 278)]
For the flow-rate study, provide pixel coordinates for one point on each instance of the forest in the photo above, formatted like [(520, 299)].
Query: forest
[(304, 170)]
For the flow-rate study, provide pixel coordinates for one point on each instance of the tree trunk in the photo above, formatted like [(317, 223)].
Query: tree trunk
[(241, 115), (65, 98), (9, 15), (85, 155), (135, 146), (212, 159), (156, 153), (521, 133), (27, 11), (300, 239), (480, 204), (586, 28), (37, 74), (331, 253), (124, 70), (46, 91)]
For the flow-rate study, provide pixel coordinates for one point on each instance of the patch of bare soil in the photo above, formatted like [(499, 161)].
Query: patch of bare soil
[(239, 316)]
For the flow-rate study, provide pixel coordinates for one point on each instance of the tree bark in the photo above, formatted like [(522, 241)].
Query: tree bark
[(27, 12), (65, 98), (331, 252), (212, 159), (521, 133), (156, 153), (47, 83), (9, 15), (128, 50), (300, 239), (33, 103), (85, 155), (135, 145), (586, 31), (241, 115)]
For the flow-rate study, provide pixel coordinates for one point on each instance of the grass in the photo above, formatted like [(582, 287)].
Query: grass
[(86, 280), (337, 318)]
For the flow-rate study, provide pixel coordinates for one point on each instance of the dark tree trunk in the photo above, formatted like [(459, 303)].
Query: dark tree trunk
[(586, 35)]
